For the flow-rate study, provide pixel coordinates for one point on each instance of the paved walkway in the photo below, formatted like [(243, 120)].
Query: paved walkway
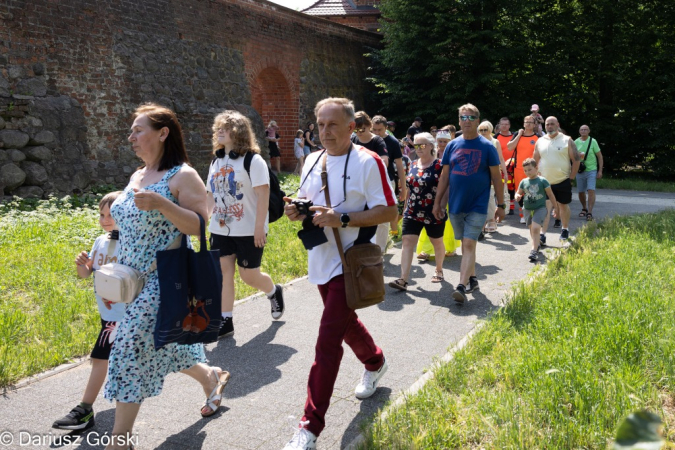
[(270, 361)]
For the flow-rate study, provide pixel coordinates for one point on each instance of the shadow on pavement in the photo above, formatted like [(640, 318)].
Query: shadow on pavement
[(369, 407), (251, 377)]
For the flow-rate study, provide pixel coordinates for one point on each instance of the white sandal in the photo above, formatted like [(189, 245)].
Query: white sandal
[(216, 393)]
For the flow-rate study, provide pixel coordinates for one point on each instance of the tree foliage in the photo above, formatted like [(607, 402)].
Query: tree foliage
[(608, 64)]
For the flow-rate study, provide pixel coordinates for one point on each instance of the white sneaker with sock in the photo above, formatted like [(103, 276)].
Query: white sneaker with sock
[(369, 382)]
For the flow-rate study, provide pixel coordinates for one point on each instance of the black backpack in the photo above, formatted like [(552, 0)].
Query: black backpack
[(276, 206)]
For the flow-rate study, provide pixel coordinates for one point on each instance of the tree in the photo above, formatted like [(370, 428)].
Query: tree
[(608, 64)]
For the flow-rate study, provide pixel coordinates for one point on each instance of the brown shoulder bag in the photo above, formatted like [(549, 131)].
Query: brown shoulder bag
[(362, 264)]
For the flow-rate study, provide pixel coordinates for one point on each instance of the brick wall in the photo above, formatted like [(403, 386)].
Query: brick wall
[(195, 56)]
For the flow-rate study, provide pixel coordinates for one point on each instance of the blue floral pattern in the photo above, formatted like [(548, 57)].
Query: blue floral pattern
[(136, 370)]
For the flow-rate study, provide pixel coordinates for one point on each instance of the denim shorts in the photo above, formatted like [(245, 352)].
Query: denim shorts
[(307, 149), (467, 225), (586, 180)]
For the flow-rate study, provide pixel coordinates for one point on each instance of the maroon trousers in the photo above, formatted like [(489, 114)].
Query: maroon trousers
[(338, 323)]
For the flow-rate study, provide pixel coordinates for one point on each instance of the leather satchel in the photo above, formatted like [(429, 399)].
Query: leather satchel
[(362, 265)]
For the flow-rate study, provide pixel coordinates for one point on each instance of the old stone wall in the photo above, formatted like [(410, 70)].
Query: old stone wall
[(71, 74)]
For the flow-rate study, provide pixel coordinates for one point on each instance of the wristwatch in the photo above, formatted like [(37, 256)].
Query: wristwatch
[(502, 206), (344, 218)]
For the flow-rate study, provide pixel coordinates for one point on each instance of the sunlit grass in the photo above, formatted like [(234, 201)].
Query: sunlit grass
[(574, 352), (47, 314)]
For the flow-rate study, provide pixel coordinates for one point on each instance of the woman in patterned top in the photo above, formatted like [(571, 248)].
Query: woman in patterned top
[(422, 182)]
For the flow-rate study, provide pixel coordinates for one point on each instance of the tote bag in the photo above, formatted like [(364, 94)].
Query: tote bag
[(190, 285)]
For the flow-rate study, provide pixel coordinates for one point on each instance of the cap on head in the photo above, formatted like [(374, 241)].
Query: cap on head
[(391, 123), (535, 107), (418, 119), (443, 134)]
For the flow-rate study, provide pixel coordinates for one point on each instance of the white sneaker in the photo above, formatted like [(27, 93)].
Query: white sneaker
[(369, 382), (522, 219), (303, 439)]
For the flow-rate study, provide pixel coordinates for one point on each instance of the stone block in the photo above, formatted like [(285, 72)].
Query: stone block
[(29, 192), (11, 176), (38, 154), (42, 137), (2, 123), (80, 180), (16, 155), (36, 175), (32, 86), (14, 138), (4, 157), (38, 69), (16, 72)]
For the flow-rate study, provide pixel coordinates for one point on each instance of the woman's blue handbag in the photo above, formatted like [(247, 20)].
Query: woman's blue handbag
[(190, 286)]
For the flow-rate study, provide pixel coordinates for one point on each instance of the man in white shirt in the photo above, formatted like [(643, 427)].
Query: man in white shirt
[(558, 162), (360, 190)]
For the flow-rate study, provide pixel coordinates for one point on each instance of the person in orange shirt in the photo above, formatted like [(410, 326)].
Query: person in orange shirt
[(522, 147), (504, 136)]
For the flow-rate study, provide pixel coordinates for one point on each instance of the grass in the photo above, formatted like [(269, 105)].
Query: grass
[(575, 351), (48, 315), (635, 184)]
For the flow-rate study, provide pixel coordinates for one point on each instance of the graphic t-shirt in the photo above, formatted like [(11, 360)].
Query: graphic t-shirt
[(366, 185), (470, 180), (394, 153), (554, 164), (535, 192), (99, 255), (235, 210), (592, 159), (423, 185)]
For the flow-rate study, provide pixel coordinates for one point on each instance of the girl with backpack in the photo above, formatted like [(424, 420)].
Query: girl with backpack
[(238, 200)]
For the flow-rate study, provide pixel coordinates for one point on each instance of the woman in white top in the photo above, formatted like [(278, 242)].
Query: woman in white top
[(238, 201), (485, 130)]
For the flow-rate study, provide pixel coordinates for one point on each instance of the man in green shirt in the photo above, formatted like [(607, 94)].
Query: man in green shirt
[(594, 162)]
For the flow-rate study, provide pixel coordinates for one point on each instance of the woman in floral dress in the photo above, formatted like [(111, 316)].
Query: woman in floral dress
[(422, 182), (161, 201)]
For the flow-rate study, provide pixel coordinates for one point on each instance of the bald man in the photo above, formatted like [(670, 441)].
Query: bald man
[(589, 152), (554, 152)]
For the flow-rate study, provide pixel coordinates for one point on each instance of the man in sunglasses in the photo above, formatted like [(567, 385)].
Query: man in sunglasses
[(361, 198), (470, 165)]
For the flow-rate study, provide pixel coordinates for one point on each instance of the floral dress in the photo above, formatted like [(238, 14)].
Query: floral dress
[(422, 185), (136, 370)]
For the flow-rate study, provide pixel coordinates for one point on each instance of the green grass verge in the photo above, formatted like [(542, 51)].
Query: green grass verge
[(574, 352), (635, 184), (48, 314)]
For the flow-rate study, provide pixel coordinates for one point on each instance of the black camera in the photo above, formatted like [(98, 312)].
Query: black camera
[(303, 205)]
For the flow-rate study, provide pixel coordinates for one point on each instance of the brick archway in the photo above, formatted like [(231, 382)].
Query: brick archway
[(274, 98)]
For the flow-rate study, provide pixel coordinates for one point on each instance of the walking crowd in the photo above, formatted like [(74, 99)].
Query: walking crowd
[(446, 187)]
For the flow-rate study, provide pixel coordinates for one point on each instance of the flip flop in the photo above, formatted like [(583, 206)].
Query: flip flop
[(216, 393), (583, 213), (437, 278), (399, 284)]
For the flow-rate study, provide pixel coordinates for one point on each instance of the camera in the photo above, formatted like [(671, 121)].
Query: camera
[(303, 205), (310, 234)]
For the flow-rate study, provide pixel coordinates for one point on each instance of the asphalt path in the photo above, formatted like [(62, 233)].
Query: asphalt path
[(270, 360)]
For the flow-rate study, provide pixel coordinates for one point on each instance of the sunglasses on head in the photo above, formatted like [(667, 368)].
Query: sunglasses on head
[(469, 118)]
